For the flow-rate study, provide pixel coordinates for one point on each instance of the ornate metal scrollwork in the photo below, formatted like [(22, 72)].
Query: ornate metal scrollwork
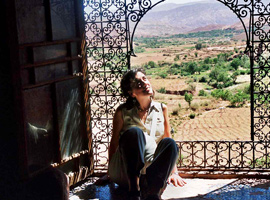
[(260, 68), (231, 155), (107, 50), (110, 27)]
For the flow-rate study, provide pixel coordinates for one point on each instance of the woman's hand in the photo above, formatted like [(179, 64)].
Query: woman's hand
[(176, 180)]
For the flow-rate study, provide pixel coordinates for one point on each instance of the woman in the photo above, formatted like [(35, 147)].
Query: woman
[(141, 144)]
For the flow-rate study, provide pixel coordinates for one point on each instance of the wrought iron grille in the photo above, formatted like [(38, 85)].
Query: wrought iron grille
[(233, 155), (110, 26)]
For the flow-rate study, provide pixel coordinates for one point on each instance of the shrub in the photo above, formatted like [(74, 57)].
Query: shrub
[(177, 57), (235, 63), (173, 71), (261, 162), (234, 76), (205, 67), (191, 87), (175, 111), (223, 94), (194, 106), (175, 65), (192, 115), (191, 67), (162, 90), (139, 50), (205, 103), (222, 57), (152, 64), (228, 84), (198, 46), (189, 81), (245, 61), (247, 89), (239, 99), (207, 60), (242, 72), (188, 98), (214, 73), (184, 73), (203, 79), (203, 93), (163, 74)]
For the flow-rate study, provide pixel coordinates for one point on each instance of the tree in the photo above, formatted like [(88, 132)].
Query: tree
[(236, 63), (198, 46), (234, 76), (223, 94), (207, 60), (223, 77), (214, 73), (191, 67), (188, 98), (199, 69), (239, 99)]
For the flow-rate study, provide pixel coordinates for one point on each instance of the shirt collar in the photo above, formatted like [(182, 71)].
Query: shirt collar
[(153, 105)]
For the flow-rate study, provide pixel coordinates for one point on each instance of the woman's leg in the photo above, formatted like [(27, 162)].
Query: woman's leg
[(164, 161), (132, 148)]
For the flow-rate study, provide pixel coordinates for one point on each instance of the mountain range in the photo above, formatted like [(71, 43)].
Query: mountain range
[(169, 19)]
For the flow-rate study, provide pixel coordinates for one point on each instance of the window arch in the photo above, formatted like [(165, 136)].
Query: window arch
[(110, 27)]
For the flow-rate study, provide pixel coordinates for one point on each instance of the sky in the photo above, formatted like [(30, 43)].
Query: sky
[(182, 1), (192, 1)]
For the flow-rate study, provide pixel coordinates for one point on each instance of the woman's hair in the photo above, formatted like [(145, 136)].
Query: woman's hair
[(126, 88), (127, 80)]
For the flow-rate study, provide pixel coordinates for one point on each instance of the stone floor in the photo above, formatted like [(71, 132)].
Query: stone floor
[(201, 189)]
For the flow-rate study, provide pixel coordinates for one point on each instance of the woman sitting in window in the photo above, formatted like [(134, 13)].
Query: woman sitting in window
[(141, 151)]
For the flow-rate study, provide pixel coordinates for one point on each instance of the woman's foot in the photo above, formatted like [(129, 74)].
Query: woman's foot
[(134, 195), (149, 192)]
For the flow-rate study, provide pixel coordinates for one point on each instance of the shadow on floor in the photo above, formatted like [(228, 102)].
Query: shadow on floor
[(109, 191), (199, 189), (243, 189)]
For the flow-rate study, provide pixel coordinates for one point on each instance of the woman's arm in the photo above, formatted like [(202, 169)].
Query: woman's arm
[(117, 126), (167, 127), (174, 178)]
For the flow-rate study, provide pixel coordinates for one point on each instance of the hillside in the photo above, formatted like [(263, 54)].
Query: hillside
[(186, 18)]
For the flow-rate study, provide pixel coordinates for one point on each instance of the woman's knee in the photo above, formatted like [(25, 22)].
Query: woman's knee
[(169, 143), (133, 133), (131, 138)]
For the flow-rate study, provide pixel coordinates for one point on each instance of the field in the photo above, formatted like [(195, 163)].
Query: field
[(227, 124), (212, 118)]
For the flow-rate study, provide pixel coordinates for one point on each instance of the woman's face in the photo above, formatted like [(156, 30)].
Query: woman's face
[(141, 86)]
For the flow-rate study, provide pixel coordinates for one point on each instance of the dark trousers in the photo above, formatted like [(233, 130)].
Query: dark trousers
[(132, 147)]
